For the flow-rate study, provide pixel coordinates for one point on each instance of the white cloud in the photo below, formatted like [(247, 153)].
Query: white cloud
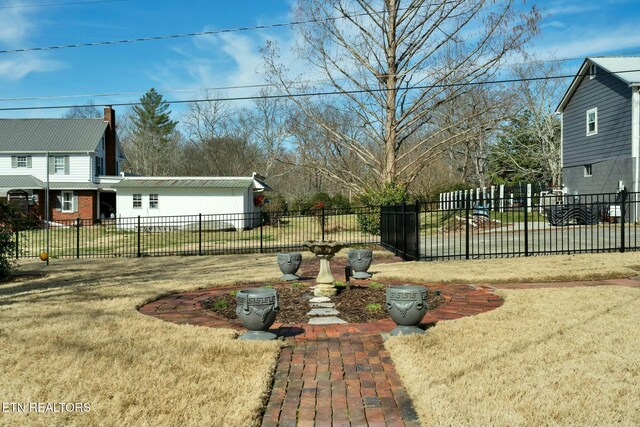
[(16, 26), (17, 68), (581, 41)]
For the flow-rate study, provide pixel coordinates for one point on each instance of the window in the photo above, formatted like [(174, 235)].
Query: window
[(587, 170), (137, 201), (58, 164), (67, 201), (153, 201), (592, 71), (592, 121), (99, 166), (21, 162)]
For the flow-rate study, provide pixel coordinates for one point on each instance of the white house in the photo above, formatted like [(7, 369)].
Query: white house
[(80, 152), (224, 202)]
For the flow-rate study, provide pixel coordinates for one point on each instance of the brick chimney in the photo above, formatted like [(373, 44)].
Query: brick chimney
[(110, 141)]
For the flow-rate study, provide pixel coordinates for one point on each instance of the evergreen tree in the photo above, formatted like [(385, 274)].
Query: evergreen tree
[(153, 145)]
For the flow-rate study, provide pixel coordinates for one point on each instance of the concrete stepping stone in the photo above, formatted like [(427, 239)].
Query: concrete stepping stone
[(330, 320), (323, 312), (320, 299), (322, 305)]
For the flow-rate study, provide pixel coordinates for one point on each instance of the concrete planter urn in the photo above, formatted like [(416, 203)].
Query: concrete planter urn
[(257, 309), (407, 305), (289, 265), (360, 260)]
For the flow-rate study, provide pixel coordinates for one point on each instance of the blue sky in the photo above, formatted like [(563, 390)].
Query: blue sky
[(570, 29)]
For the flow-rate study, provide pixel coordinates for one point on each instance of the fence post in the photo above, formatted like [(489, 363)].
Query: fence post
[(623, 214), (261, 222), (199, 234), (139, 253), (17, 244), (322, 223), (467, 208), (526, 226), (417, 230), (78, 238)]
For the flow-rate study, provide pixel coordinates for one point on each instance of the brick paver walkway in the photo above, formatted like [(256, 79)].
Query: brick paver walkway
[(341, 374), (333, 374)]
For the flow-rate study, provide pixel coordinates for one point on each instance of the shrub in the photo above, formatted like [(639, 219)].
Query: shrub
[(11, 218), (274, 209), (391, 194)]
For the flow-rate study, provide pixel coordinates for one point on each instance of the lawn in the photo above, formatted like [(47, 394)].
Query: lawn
[(75, 335), (565, 356)]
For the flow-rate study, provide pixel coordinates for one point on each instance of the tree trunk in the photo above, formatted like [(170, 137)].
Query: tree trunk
[(391, 79)]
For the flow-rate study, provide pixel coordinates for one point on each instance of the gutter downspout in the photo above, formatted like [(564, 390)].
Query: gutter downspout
[(46, 207), (635, 142)]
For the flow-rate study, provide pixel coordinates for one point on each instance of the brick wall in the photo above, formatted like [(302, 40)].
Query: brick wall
[(86, 208)]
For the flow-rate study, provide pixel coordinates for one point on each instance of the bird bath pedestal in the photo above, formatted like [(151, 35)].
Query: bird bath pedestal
[(325, 251)]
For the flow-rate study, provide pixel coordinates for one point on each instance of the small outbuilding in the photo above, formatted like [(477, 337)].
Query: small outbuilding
[(224, 202)]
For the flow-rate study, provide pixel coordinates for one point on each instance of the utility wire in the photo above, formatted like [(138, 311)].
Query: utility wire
[(313, 94), (254, 86), (207, 33), (72, 3)]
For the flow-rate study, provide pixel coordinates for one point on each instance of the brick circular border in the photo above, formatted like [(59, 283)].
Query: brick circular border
[(186, 308)]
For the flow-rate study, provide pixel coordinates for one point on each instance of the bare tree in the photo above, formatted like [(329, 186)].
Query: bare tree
[(207, 119), (83, 112), (395, 64)]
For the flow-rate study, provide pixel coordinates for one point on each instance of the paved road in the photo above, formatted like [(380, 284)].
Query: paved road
[(542, 238)]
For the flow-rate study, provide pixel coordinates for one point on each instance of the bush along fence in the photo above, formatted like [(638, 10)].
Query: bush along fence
[(196, 234), (538, 225)]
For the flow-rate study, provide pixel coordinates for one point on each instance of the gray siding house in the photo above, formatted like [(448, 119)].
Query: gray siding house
[(601, 127)]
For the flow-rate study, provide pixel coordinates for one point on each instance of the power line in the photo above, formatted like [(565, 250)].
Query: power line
[(206, 33), (205, 89), (313, 94), (255, 86), (71, 3)]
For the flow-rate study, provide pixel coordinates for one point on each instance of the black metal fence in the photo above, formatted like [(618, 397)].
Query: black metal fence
[(194, 234), (540, 224)]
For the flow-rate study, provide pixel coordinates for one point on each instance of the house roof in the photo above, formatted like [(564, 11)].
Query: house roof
[(184, 182), (72, 186), (626, 68), (20, 182), (54, 135)]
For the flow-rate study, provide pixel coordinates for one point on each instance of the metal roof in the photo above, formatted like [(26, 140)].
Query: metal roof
[(626, 68), (209, 182), (72, 186), (56, 135), (21, 182)]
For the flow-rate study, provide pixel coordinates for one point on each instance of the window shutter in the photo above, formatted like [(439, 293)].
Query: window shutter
[(14, 162), (52, 165), (75, 201), (59, 201), (28, 161), (66, 165)]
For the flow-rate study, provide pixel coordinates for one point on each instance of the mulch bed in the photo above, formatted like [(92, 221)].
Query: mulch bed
[(360, 304)]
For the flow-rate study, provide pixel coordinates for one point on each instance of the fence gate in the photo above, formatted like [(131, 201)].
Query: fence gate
[(399, 230)]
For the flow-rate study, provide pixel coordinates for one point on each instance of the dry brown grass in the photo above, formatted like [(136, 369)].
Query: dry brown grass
[(547, 357), (75, 336), (552, 268)]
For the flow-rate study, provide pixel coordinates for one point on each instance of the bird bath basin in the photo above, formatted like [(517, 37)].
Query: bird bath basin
[(325, 250)]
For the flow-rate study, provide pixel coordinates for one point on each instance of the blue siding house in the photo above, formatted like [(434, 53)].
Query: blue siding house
[(601, 127)]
